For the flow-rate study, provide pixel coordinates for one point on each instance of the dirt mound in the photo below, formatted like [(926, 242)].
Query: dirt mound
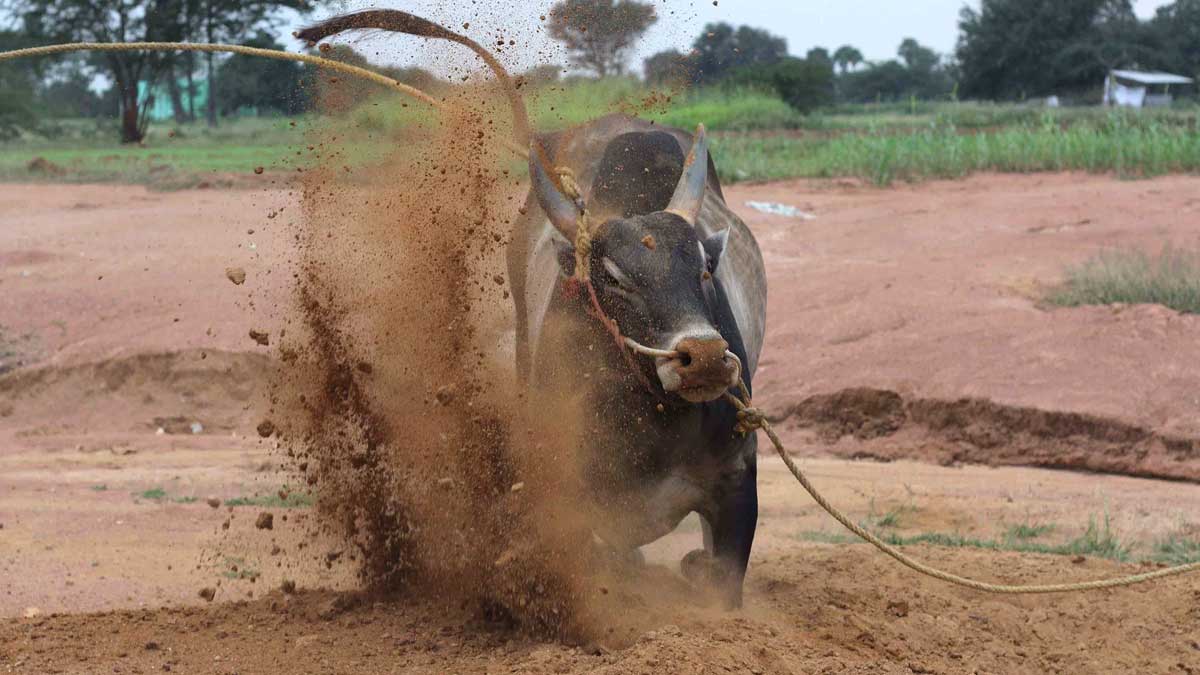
[(141, 392), (43, 166), (984, 432)]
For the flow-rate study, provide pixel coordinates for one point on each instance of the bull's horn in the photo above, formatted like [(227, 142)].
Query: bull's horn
[(689, 194), (562, 212)]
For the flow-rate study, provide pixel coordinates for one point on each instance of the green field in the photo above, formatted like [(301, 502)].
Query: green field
[(756, 137)]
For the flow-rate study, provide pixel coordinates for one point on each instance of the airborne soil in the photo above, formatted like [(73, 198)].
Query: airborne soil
[(905, 325)]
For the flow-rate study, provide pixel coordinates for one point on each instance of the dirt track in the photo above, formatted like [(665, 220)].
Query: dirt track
[(120, 309)]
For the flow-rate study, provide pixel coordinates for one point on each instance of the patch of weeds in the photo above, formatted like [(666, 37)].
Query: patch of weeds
[(1171, 279), (186, 500), (1098, 541), (1025, 532), (155, 494), (236, 568), (1176, 550), (99, 488), (281, 500), (890, 518)]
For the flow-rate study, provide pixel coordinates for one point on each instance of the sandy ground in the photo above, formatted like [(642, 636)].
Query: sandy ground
[(119, 321)]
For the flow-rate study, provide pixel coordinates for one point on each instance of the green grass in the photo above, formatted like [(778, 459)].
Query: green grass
[(1171, 279), (756, 137), (236, 568), (153, 494), (1176, 550), (99, 488), (294, 500), (1025, 532), (1098, 541)]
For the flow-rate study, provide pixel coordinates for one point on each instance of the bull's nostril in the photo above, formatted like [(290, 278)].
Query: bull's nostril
[(685, 359)]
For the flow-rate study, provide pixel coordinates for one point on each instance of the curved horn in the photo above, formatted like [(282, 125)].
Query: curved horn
[(689, 194), (562, 212)]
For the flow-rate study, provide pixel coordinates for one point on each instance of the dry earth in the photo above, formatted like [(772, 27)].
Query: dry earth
[(904, 324)]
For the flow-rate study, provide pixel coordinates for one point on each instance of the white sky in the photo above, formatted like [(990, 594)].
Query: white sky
[(874, 26)]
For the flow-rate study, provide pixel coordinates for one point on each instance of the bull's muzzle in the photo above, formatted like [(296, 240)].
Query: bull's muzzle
[(702, 371)]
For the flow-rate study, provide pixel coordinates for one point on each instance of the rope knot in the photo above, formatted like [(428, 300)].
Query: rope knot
[(750, 419)]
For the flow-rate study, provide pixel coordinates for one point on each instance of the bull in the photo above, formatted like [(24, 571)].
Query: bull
[(677, 271)]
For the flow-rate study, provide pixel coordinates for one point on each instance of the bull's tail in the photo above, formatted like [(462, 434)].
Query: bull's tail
[(403, 22)]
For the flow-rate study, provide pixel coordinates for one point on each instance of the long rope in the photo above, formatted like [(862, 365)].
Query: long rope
[(752, 418), (310, 59)]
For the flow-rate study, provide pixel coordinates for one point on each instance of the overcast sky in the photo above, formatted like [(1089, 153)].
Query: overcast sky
[(874, 26)]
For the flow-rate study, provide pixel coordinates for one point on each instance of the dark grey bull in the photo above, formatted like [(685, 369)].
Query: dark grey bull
[(678, 271)]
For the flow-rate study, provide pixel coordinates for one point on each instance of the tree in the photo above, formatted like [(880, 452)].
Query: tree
[(18, 83), (110, 21), (847, 58), (1176, 30), (146, 21), (669, 67), (1012, 49), (917, 58), (247, 81), (599, 33), (722, 48), (802, 83)]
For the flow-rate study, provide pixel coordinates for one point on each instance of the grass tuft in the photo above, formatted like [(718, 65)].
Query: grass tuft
[(1171, 279), (293, 500), (1098, 541)]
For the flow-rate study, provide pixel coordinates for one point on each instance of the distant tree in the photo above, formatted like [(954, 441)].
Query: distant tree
[(819, 56), (599, 33), (70, 94), (266, 85), (146, 21), (1012, 49), (847, 58), (18, 84), (110, 21), (916, 57), (721, 48), (541, 74), (1175, 29), (803, 84), (670, 67), (919, 74)]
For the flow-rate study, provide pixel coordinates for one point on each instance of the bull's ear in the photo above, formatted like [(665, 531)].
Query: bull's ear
[(565, 254), (714, 248)]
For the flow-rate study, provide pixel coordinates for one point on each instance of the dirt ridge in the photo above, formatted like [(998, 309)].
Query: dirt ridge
[(982, 431)]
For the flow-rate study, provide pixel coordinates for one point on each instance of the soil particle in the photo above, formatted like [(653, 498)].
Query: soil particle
[(213, 502), (208, 593), (265, 521), (266, 428), (235, 274), (288, 586), (261, 337)]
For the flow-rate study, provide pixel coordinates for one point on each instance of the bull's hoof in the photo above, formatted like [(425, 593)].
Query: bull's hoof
[(700, 568)]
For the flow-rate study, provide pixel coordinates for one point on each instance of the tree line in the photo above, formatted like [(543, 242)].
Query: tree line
[(54, 83), (1007, 50)]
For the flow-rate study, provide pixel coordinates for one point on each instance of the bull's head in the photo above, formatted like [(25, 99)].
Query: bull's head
[(653, 274)]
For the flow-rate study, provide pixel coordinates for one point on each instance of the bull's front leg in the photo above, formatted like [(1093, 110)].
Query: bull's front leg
[(729, 532)]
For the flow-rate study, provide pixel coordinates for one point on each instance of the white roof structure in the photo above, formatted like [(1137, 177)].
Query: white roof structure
[(1151, 78)]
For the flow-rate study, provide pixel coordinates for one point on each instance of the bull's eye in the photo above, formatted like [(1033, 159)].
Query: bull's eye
[(621, 279)]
